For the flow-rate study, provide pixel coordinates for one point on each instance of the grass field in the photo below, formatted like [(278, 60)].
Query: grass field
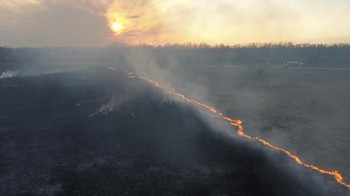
[(306, 111)]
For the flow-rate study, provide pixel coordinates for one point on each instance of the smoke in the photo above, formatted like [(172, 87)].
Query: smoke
[(260, 99), (113, 105), (158, 22), (257, 97), (285, 109), (89, 22), (8, 74)]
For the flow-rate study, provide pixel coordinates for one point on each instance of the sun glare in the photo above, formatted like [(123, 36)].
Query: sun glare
[(116, 27)]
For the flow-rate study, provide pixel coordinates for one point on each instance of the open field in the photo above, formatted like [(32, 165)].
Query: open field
[(94, 131), (306, 111)]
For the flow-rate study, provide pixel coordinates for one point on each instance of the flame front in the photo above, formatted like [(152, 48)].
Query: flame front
[(240, 129)]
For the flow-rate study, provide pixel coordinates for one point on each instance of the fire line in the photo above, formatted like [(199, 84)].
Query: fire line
[(240, 129)]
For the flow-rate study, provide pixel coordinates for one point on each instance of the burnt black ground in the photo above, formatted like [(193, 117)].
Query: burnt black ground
[(51, 145)]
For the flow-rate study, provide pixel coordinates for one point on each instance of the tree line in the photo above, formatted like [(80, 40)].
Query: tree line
[(257, 54)]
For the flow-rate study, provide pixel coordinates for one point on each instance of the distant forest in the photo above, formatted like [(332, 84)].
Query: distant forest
[(311, 55)]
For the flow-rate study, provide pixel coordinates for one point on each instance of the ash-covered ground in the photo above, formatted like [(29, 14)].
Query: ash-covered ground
[(304, 110), (97, 132)]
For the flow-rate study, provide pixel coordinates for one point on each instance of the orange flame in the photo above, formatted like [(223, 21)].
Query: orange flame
[(240, 130)]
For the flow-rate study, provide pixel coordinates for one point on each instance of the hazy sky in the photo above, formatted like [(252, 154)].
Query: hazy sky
[(41, 23)]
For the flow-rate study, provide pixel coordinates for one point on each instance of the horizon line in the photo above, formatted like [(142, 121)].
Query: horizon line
[(199, 45)]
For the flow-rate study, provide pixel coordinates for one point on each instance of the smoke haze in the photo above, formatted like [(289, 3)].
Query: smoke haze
[(38, 23), (114, 96)]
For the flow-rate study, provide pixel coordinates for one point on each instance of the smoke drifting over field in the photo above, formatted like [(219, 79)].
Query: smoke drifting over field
[(161, 112), (93, 87), (8, 74)]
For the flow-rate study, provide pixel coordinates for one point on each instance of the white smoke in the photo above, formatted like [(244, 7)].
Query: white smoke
[(113, 105), (8, 74)]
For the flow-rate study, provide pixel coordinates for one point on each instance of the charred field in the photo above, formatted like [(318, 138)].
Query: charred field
[(174, 97), (96, 132), (300, 109)]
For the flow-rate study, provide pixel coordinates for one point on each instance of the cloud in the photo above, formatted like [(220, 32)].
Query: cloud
[(13, 11), (162, 21), (20, 6)]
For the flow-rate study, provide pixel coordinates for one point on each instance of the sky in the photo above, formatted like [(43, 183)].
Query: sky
[(90, 23)]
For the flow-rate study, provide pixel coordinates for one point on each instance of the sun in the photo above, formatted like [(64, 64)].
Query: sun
[(116, 27)]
